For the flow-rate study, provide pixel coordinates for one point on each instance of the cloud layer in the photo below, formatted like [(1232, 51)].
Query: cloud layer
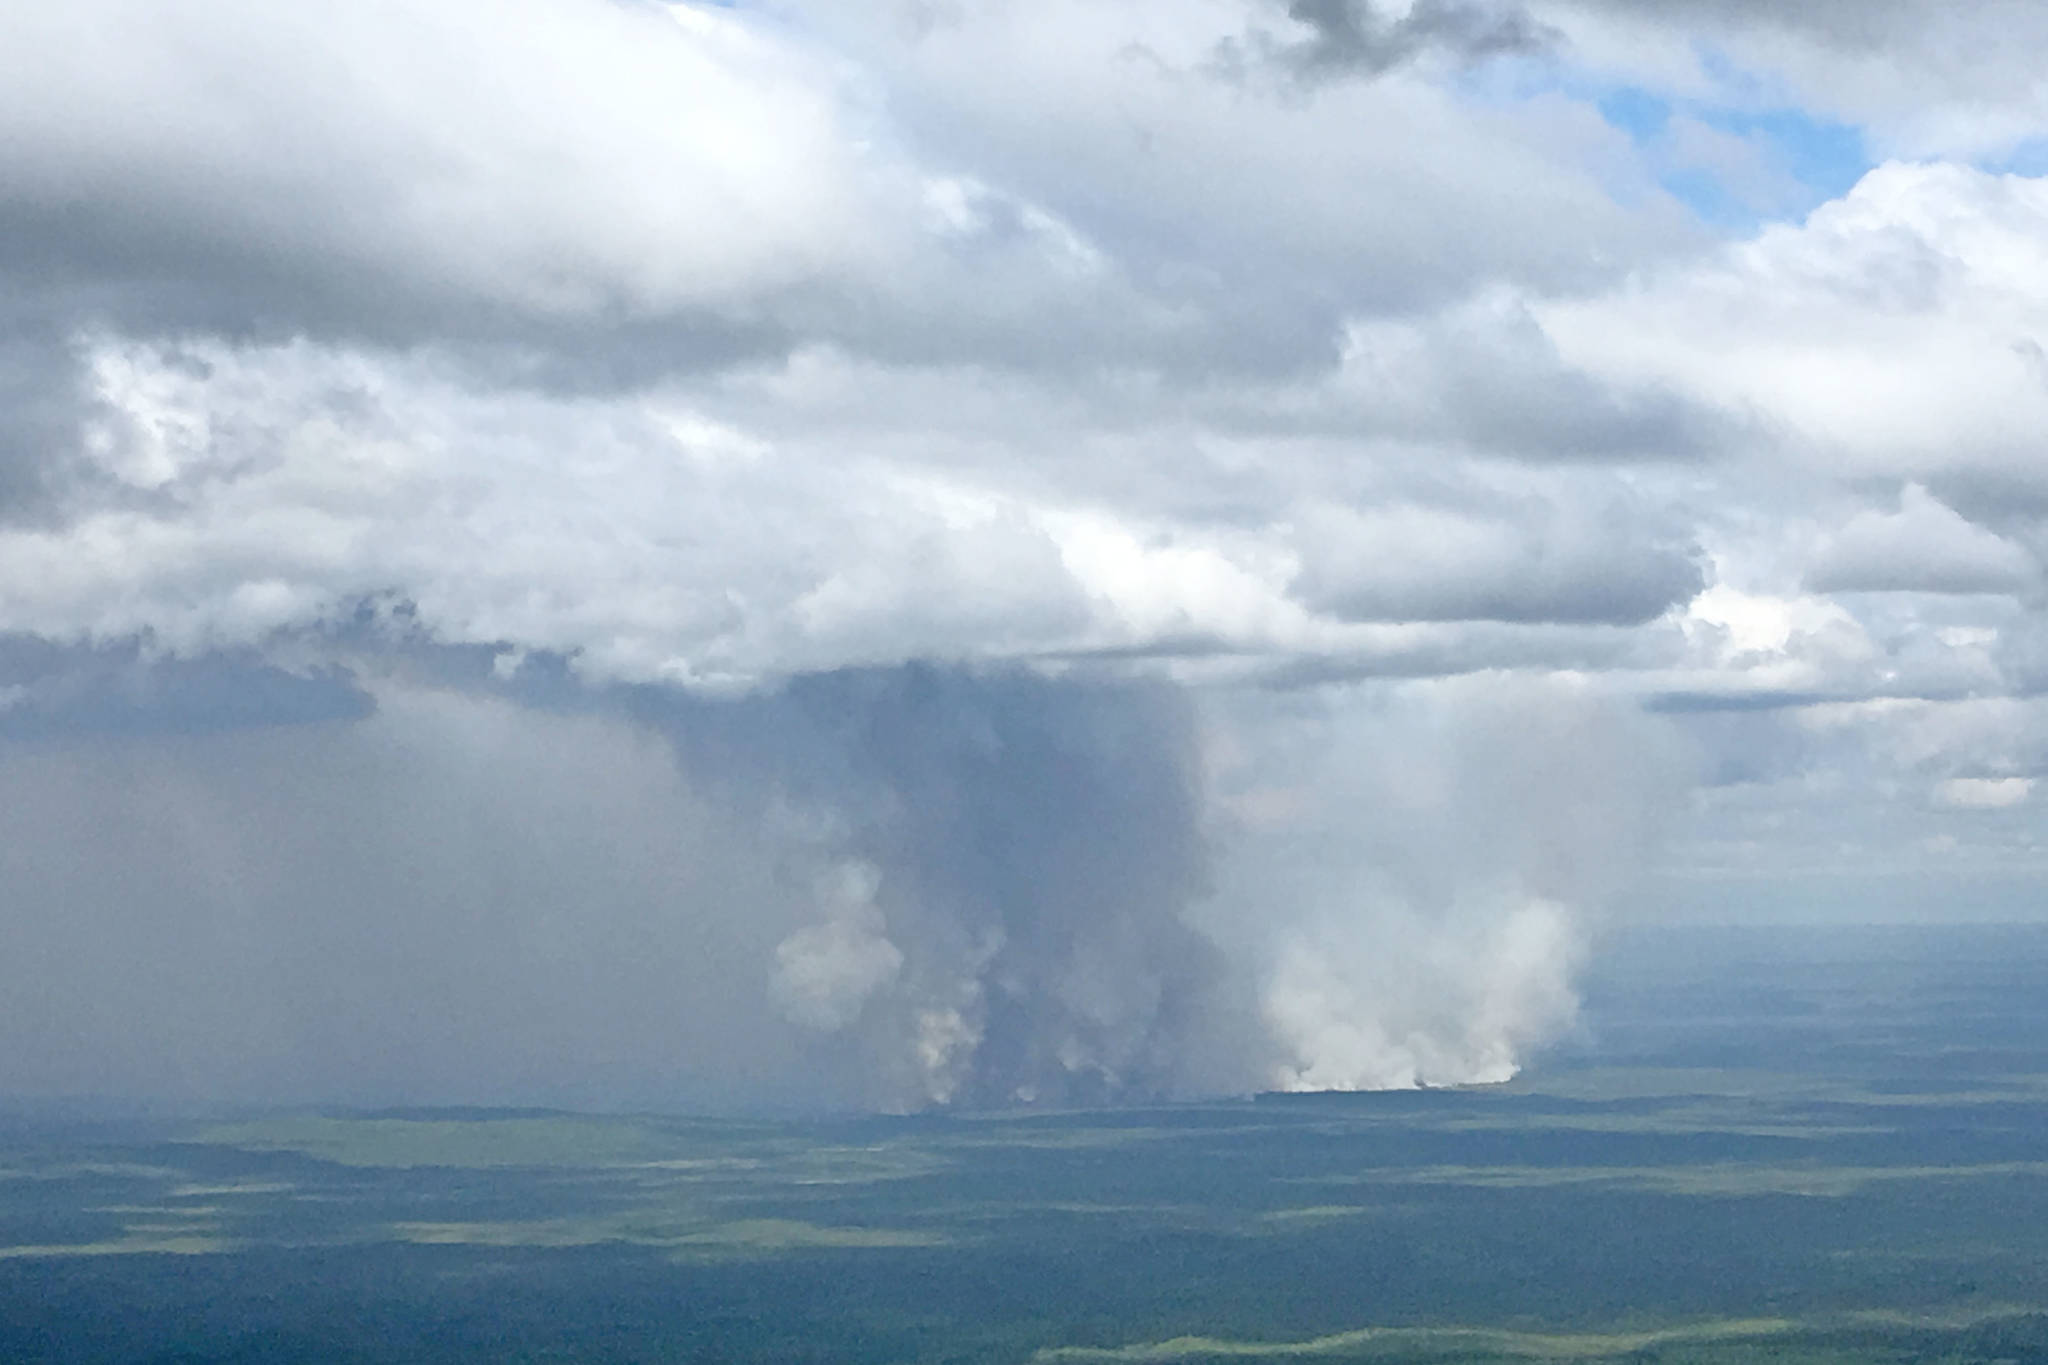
[(1045, 553)]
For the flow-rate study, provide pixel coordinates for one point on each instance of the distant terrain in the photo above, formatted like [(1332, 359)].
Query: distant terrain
[(1784, 1145)]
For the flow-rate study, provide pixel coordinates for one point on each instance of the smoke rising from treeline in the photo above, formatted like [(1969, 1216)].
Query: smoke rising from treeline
[(884, 889)]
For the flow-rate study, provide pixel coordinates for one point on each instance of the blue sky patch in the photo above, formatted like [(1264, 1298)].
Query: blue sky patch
[(1799, 159)]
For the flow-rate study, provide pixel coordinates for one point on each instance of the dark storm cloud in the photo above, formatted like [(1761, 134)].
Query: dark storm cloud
[(1356, 37)]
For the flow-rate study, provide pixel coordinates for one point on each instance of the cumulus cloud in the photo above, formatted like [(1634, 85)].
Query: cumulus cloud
[(388, 169), (1114, 120), (626, 531), (1923, 547), (1983, 793), (1522, 561), (1485, 374), (1363, 37), (1891, 333)]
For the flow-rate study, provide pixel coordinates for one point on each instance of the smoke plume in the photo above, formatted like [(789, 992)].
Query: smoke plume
[(872, 889)]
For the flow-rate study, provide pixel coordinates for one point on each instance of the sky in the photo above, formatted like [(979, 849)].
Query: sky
[(958, 552)]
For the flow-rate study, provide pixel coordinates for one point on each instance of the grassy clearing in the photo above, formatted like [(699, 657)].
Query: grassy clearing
[(1668, 1122), (252, 1189), (150, 1242), (1601, 1084), (1319, 1213), (407, 1143), (1071, 1140), (680, 1153), (768, 1235), (1727, 1178), (744, 1237), (1436, 1342)]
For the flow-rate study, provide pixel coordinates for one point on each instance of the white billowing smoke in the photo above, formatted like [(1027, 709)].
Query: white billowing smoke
[(826, 975), (825, 972), (1453, 1004), (1417, 879)]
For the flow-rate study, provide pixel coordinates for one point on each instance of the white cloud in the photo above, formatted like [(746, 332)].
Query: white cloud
[(553, 158), (1893, 333), (1983, 793), (1516, 561)]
